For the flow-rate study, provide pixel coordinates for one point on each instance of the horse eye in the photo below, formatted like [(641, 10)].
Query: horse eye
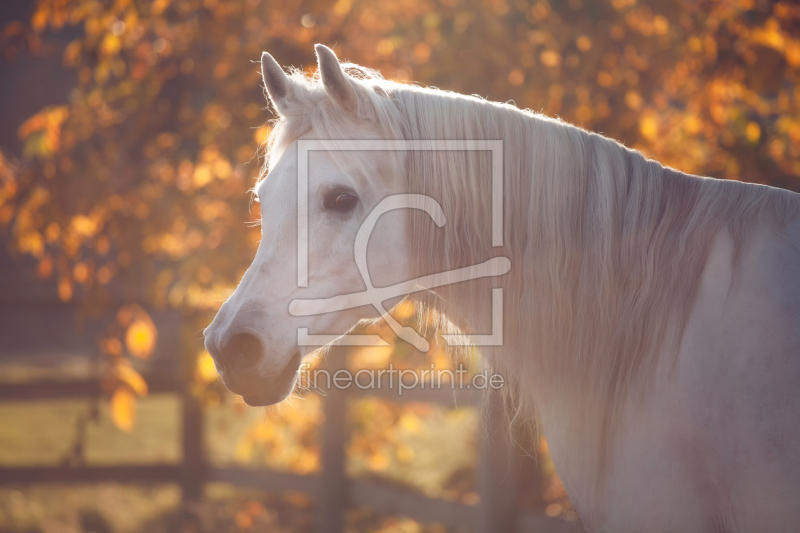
[(340, 201)]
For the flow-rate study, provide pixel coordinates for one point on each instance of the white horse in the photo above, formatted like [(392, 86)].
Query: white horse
[(652, 318)]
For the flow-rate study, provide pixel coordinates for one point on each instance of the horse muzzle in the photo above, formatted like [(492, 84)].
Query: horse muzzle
[(244, 365)]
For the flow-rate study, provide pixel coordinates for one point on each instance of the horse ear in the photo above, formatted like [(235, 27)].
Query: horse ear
[(334, 80), (277, 83)]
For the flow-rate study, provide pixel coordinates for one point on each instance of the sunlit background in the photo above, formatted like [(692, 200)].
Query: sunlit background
[(129, 137)]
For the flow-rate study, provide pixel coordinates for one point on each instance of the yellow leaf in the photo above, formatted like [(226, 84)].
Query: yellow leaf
[(48, 118), (385, 47), (126, 374), (84, 226), (222, 168), (661, 25), (648, 128), (633, 100), (140, 338), (378, 462), (753, 132), (516, 77), (123, 408), (81, 272), (342, 7), (550, 58), (206, 371), (202, 175), (793, 53), (111, 44), (605, 79), (262, 134), (411, 423), (692, 124), (32, 242)]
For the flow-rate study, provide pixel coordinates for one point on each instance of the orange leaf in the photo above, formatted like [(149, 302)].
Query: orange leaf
[(243, 520), (40, 18), (65, 290), (123, 408), (111, 346)]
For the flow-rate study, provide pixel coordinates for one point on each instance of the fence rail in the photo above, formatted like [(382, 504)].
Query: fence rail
[(332, 490)]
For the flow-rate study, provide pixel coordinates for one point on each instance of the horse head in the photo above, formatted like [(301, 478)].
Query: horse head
[(309, 228)]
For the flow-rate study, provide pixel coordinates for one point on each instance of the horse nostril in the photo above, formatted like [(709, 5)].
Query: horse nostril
[(242, 351)]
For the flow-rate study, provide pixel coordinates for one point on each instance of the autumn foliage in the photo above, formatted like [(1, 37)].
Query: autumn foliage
[(147, 167), (141, 179)]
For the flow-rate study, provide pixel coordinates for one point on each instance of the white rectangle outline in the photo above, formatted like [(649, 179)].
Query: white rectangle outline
[(304, 146), (307, 145)]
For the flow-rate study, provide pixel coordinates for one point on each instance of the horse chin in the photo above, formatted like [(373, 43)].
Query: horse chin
[(267, 399), (280, 389)]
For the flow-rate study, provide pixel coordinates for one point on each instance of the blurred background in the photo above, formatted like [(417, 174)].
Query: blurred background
[(129, 139)]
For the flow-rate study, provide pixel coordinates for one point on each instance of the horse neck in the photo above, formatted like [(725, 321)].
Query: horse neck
[(606, 247)]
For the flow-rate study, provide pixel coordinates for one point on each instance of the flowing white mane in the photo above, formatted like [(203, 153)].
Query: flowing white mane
[(607, 247)]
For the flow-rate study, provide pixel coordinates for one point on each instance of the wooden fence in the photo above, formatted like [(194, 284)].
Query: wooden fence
[(332, 490)]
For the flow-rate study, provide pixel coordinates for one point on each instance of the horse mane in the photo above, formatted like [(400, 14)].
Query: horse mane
[(607, 247)]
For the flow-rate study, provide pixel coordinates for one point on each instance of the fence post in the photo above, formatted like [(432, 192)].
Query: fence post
[(497, 472), (193, 466), (192, 475), (332, 497)]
